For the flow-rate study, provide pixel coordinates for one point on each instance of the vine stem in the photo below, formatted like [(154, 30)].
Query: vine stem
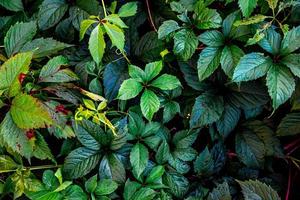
[(150, 15), (32, 168), (289, 184), (104, 9)]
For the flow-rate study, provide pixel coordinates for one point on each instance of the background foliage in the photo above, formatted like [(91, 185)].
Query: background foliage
[(141, 100)]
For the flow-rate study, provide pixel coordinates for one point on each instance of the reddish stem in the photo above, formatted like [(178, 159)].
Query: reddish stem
[(150, 16), (292, 144), (289, 184)]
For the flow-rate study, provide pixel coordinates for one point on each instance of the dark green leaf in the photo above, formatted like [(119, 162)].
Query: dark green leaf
[(185, 44)]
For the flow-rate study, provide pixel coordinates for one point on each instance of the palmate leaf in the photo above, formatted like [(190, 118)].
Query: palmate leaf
[(18, 35), (212, 38), (84, 26), (257, 190), (281, 85), (97, 44), (230, 57), (292, 61), (111, 167), (166, 82), (290, 42), (11, 70), (29, 113), (271, 41), (115, 34), (129, 89), (139, 156), (128, 9), (167, 28)]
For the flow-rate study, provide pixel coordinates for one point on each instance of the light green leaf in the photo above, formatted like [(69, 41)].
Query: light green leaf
[(91, 184), (257, 190), (251, 20), (292, 61), (247, 6), (185, 44), (281, 85), (10, 71), (272, 3), (12, 5), (136, 73), (42, 47), (139, 156), (7, 163), (28, 112), (41, 149), (85, 24), (149, 104), (130, 188), (153, 69), (207, 109), (51, 12), (18, 35), (105, 187), (128, 9), (97, 44), (208, 62), (230, 57), (80, 162), (129, 89), (251, 66), (167, 27), (116, 35), (166, 82), (291, 41), (155, 174), (116, 20), (212, 38), (144, 193)]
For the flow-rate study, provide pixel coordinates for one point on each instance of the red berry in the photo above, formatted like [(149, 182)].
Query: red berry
[(61, 108), (22, 76), (30, 134)]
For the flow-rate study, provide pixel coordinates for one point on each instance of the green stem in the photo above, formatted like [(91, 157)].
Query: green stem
[(104, 9), (32, 168), (126, 58)]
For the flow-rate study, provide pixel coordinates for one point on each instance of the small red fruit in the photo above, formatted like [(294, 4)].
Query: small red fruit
[(30, 134), (61, 108), (22, 76)]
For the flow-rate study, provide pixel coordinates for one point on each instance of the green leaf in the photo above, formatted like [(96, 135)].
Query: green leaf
[(12, 5), (251, 66), (144, 193), (91, 184), (207, 18), (230, 58), (136, 73), (271, 41), (170, 110), (116, 20), (155, 174), (290, 42), (10, 71), (247, 6), (212, 38), (41, 149), (208, 108), (97, 44), (258, 190), (51, 12), (7, 163), (177, 183), (281, 85), (52, 73), (42, 47), (18, 35), (130, 188), (292, 61), (129, 89), (74, 192), (28, 112), (204, 163), (272, 3), (166, 82), (15, 138), (250, 149), (221, 192), (208, 62), (116, 35), (111, 167), (167, 27), (251, 20), (185, 44), (139, 156), (128, 9), (84, 26), (149, 104), (80, 162), (152, 70), (49, 180), (105, 187), (289, 125)]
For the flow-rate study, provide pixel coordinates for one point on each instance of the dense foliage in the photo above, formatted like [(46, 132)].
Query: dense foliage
[(141, 100)]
